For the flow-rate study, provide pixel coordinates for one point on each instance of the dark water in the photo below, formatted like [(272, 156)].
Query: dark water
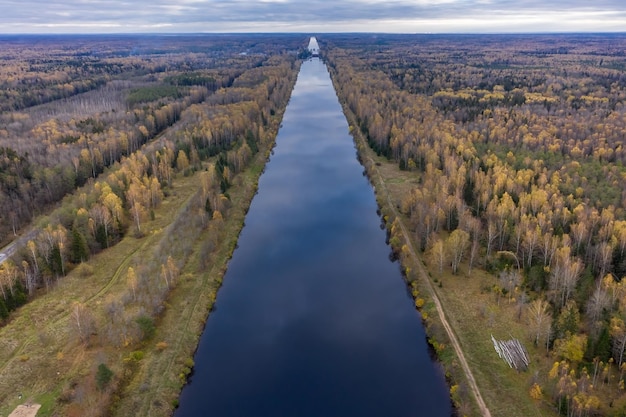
[(313, 319)]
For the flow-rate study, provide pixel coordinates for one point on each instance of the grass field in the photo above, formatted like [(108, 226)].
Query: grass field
[(39, 356), (41, 332)]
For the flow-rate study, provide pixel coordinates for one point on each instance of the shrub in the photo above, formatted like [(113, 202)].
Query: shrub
[(535, 392), (103, 376), (84, 270), (136, 356), (146, 325)]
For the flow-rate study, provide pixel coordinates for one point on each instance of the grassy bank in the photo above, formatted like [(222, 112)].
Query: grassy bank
[(168, 357)]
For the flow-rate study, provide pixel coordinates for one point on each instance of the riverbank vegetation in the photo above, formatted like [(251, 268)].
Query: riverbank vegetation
[(508, 172), (118, 279)]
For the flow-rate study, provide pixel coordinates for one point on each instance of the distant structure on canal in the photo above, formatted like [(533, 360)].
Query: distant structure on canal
[(314, 48)]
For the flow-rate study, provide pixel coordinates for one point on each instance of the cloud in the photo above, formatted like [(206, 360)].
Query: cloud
[(311, 15)]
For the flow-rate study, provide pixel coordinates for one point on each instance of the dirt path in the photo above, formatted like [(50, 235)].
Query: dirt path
[(425, 278)]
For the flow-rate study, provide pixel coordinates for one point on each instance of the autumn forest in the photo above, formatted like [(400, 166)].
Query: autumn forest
[(511, 151), (74, 107), (517, 148)]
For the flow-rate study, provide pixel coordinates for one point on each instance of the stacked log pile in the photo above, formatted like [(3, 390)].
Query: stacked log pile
[(513, 353)]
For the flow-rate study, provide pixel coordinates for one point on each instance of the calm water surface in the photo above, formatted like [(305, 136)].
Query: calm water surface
[(313, 319)]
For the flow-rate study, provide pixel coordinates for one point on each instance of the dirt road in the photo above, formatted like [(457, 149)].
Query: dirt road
[(11, 248)]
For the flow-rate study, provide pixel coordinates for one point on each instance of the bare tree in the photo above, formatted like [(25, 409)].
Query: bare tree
[(82, 322), (597, 303), (539, 320), (564, 276), (456, 245)]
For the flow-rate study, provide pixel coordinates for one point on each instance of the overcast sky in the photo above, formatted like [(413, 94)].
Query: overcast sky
[(406, 16)]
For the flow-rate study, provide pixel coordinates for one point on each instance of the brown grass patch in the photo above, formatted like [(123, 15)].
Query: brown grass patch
[(26, 410), (476, 314)]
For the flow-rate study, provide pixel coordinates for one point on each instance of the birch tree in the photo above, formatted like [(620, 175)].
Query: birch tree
[(438, 254), (564, 276), (456, 245), (539, 321), (617, 331), (82, 322)]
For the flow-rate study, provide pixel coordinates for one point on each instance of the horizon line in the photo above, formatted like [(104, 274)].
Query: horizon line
[(309, 33)]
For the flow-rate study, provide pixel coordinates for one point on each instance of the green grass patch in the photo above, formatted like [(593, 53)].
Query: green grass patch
[(48, 402), (152, 93)]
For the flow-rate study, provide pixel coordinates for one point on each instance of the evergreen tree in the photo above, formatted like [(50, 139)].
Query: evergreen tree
[(103, 376), (79, 251)]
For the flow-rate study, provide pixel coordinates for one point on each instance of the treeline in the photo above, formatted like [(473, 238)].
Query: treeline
[(229, 126), (519, 162), (39, 69)]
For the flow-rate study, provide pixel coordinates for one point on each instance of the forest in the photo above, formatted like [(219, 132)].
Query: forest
[(99, 135), (74, 106), (512, 148), (516, 147)]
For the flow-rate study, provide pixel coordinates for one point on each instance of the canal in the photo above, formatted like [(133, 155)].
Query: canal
[(313, 318)]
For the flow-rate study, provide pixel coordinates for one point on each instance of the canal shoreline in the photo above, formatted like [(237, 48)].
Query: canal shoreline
[(406, 357), (179, 330), (438, 330)]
